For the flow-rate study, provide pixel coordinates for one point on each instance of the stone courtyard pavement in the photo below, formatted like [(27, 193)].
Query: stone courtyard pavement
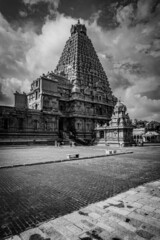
[(32, 195), (133, 215)]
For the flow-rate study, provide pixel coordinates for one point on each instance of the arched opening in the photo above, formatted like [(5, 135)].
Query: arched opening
[(101, 134), (36, 95)]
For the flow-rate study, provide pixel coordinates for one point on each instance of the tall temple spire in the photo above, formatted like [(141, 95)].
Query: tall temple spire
[(80, 63)]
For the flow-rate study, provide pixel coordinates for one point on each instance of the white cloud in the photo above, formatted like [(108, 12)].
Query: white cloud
[(13, 48), (126, 15), (55, 3), (23, 14), (9, 86), (47, 47), (26, 55), (141, 107)]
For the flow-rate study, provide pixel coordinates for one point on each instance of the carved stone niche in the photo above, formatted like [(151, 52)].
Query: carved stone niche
[(87, 91), (53, 103)]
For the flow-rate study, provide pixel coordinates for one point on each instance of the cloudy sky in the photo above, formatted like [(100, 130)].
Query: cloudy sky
[(125, 34)]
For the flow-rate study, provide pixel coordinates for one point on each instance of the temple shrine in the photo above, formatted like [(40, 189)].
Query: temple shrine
[(119, 132)]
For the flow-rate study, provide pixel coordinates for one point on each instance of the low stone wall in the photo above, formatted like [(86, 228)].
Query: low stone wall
[(29, 138)]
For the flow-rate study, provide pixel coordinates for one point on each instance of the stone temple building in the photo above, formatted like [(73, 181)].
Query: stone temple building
[(120, 129), (65, 104)]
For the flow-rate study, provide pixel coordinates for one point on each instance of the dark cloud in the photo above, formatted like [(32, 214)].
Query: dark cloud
[(112, 13), (132, 68), (79, 8), (21, 14), (119, 81), (107, 18), (146, 10), (86, 9), (154, 94), (4, 99), (10, 9), (13, 46)]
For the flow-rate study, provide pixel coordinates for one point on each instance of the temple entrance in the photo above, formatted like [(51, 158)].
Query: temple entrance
[(101, 134), (61, 124), (63, 130)]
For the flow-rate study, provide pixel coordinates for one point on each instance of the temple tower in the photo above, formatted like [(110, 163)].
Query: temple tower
[(91, 99), (80, 63)]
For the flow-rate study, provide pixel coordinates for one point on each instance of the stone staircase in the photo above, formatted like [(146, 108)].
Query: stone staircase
[(68, 137)]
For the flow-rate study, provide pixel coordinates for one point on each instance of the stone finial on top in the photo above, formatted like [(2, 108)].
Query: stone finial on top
[(120, 107), (78, 28)]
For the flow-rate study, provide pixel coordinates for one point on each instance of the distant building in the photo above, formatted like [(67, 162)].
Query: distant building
[(149, 134), (153, 126), (138, 134), (66, 103)]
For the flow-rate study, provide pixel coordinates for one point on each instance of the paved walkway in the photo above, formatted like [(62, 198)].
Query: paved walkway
[(133, 215)]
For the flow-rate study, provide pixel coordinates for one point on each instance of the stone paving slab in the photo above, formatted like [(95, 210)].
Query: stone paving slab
[(127, 216)]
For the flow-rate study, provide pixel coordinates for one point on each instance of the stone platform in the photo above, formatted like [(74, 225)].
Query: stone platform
[(132, 215)]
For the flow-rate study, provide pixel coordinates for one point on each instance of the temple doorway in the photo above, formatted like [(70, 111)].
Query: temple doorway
[(61, 124)]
